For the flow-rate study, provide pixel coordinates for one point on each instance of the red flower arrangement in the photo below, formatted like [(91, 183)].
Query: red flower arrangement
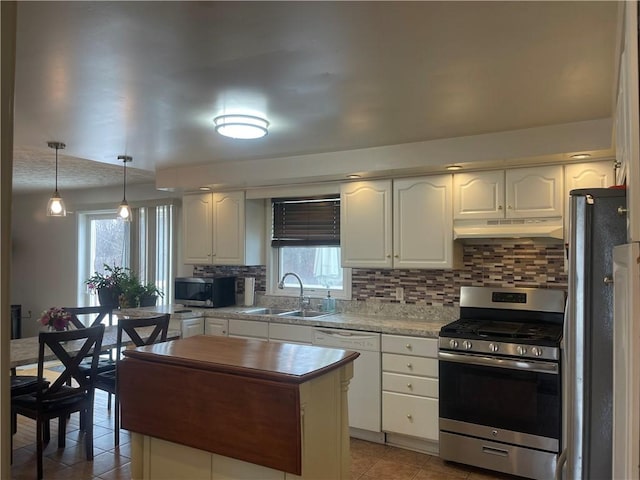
[(56, 318)]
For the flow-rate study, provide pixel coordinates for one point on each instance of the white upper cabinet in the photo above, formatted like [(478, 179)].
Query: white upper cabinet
[(223, 229), (197, 228), (585, 175), (534, 192), (478, 195), (228, 228), (365, 224), (422, 222), (514, 193), (588, 175), (406, 223)]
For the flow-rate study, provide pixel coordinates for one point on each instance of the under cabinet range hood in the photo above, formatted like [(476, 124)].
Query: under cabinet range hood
[(509, 228)]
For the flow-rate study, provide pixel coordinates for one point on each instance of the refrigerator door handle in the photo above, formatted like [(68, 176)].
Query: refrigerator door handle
[(562, 460)]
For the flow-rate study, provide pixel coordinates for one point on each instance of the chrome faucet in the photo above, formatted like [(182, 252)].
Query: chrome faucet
[(301, 301)]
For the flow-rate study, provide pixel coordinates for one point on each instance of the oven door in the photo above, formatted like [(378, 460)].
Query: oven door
[(509, 400)]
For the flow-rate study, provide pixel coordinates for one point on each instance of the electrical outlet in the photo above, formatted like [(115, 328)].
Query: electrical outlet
[(399, 294)]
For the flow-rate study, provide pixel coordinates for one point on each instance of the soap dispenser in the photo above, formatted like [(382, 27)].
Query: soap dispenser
[(329, 304)]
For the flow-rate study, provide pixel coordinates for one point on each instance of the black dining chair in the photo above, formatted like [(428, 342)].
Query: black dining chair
[(82, 317), (108, 381), (22, 385), (72, 391)]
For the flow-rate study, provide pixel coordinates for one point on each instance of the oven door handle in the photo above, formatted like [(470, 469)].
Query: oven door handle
[(529, 366)]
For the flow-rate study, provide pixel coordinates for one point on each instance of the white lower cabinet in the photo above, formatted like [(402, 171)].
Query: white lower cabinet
[(216, 326), (280, 332), (255, 329), (410, 386), (192, 326)]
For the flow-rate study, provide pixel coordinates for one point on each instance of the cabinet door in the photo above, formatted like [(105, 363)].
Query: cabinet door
[(410, 415), (422, 222), (192, 326), (585, 175), (280, 332), (197, 239), (249, 329), (228, 228), (478, 195), (216, 326), (534, 192), (365, 224)]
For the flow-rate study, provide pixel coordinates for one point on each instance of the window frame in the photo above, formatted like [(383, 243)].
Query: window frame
[(273, 271)]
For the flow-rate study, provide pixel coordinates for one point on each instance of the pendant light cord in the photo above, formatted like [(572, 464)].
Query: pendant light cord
[(124, 184), (56, 169)]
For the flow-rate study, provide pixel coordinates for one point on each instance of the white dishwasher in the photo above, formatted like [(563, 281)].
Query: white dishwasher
[(364, 388)]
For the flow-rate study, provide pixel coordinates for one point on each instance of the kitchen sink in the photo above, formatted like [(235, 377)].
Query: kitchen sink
[(304, 314), (267, 311)]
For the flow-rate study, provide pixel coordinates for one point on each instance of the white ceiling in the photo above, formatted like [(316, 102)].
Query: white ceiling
[(146, 78)]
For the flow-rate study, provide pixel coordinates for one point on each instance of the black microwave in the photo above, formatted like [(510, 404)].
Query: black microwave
[(207, 292)]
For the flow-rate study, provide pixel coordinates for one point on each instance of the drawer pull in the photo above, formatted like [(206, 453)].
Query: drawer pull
[(409, 365), (495, 451), (408, 346), (410, 417), (409, 386)]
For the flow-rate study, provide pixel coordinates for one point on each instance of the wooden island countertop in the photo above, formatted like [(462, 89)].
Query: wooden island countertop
[(257, 402), (281, 362)]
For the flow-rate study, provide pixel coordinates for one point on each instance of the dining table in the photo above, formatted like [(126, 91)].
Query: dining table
[(24, 351)]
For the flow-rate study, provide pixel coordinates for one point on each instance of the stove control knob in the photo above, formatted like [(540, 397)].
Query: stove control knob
[(521, 350), (536, 351), (453, 343), (494, 347), (467, 345)]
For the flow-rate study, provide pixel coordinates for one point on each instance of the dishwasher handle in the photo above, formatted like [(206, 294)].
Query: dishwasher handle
[(350, 334)]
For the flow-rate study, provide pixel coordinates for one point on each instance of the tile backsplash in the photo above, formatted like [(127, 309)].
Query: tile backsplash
[(504, 263)]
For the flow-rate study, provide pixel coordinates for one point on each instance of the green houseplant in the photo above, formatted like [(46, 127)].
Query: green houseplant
[(120, 287), (108, 285)]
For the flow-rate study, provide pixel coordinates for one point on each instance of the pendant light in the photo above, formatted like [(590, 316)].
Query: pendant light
[(55, 207), (124, 210)]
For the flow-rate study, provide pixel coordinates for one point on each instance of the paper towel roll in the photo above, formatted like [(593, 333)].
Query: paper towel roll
[(249, 291)]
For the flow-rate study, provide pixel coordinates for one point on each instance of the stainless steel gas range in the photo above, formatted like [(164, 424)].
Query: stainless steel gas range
[(500, 383)]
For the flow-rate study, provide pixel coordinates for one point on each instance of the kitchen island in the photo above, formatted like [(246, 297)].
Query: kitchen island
[(209, 407)]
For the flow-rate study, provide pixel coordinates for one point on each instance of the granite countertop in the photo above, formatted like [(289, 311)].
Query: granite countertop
[(424, 322)]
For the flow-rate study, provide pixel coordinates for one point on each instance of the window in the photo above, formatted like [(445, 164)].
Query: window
[(103, 239), (146, 245), (306, 240)]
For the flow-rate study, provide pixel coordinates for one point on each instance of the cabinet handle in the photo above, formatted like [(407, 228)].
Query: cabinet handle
[(409, 386), (388, 256), (499, 207), (408, 346), (409, 365), (397, 256), (510, 207), (409, 416)]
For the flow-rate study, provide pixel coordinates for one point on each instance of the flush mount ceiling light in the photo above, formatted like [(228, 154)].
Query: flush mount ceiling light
[(581, 156), (454, 167), (241, 126), (124, 210), (55, 207)]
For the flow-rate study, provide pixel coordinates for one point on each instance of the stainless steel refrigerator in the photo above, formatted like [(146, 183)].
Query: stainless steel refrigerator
[(598, 223)]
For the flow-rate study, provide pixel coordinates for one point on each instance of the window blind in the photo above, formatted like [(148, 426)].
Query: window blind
[(303, 222)]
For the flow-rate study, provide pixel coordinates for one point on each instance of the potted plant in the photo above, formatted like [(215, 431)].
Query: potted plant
[(134, 293), (149, 294), (108, 285)]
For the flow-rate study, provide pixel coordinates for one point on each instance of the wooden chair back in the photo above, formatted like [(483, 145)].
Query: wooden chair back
[(132, 327), (96, 315), (90, 341)]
